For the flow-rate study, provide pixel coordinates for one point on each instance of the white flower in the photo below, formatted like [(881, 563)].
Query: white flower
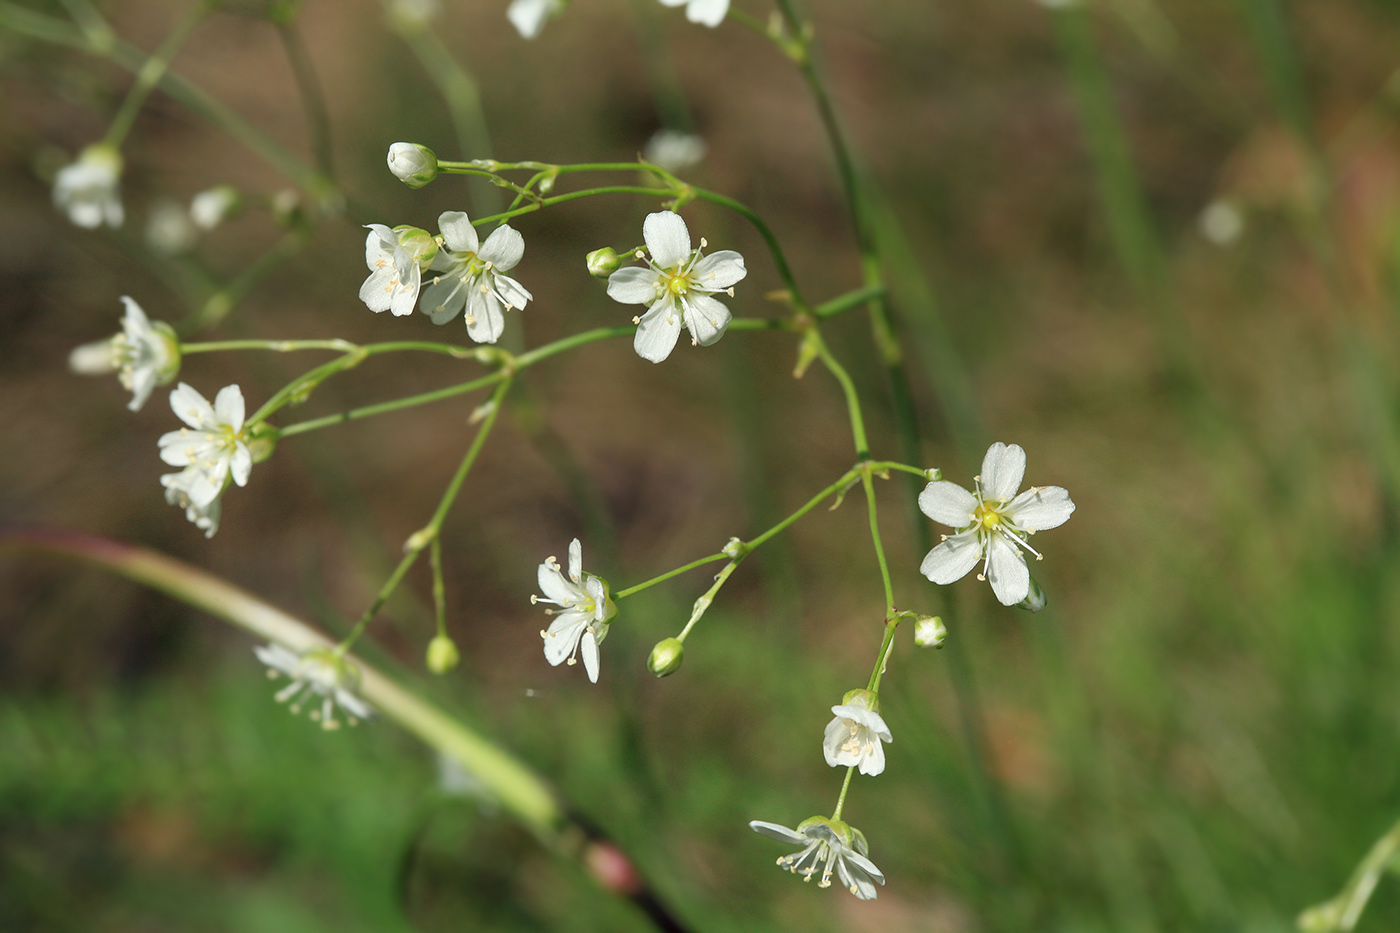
[(831, 845), (213, 206), (322, 672), (673, 150), (169, 230), (177, 492), (677, 284), (857, 734), (412, 164), (396, 259), (993, 524), (471, 277), (212, 449), (582, 619), (87, 189), (144, 355), (529, 16), (708, 12)]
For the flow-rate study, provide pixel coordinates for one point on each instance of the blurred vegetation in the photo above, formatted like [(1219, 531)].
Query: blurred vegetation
[(1201, 732)]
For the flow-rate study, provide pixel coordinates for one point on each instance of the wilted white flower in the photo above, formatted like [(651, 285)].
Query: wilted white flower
[(707, 12), (856, 735), (673, 150), (169, 230), (322, 672), (993, 524), (677, 284), (396, 259), (144, 355), (412, 164), (582, 620), (212, 448), (833, 846), (529, 16), (213, 206), (471, 277), (87, 189)]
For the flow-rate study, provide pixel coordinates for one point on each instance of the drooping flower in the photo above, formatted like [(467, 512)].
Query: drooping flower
[(471, 277), (529, 16), (706, 12), (834, 847), (212, 449), (177, 492), (144, 355), (396, 260), (857, 733), (581, 622), (993, 524), (87, 189), (677, 284), (322, 672), (412, 164)]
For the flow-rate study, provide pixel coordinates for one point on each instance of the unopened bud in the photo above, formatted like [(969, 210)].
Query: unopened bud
[(418, 243), (443, 655), (666, 657), (262, 441), (603, 262), (210, 208), (412, 164), (930, 632), (1035, 599)]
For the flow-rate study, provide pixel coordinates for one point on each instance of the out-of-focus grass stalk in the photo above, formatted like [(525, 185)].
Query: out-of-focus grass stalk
[(151, 71), (313, 100), (1342, 912)]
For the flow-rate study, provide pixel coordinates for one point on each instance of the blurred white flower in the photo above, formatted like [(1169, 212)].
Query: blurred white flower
[(144, 355), (412, 164), (706, 12), (321, 672), (396, 259), (673, 150), (582, 620), (87, 189), (213, 206), (677, 284), (993, 524), (211, 449), (834, 846), (529, 16), (1222, 222), (169, 230), (471, 277), (857, 735), (177, 492)]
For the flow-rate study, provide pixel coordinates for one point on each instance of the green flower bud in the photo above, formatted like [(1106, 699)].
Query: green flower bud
[(412, 164), (603, 262), (930, 632), (419, 243), (443, 655), (861, 698), (666, 657), (1035, 599), (262, 441)]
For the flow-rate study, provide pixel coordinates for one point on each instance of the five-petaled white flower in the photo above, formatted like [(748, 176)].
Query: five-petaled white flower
[(322, 672), (396, 259), (993, 524), (144, 355), (529, 16), (857, 734), (707, 12), (471, 277), (213, 448), (834, 846), (583, 617), (87, 189), (677, 284)]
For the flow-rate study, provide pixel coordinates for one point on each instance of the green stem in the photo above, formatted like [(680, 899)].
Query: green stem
[(869, 486), (1342, 912), (439, 588), (848, 388), (886, 645), (845, 786), (150, 73)]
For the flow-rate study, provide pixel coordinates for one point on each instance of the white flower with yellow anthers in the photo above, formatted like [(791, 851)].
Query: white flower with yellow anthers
[(211, 449), (856, 736), (470, 276), (707, 12), (582, 620), (676, 283), (87, 189), (396, 259), (319, 672), (177, 492), (834, 847), (144, 355), (993, 524)]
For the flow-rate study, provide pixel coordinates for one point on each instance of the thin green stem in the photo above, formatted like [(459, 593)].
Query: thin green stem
[(150, 73), (439, 588), (703, 603), (1342, 912), (845, 786), (869, 486), (848, 388), (853, 299), (662, 578), (882, 657)]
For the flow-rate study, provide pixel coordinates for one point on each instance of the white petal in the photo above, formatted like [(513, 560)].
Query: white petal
[(485, 320), (512, 291), (241, 464), (376, 292), (504, 248), (563, 636), (458, 232), (948, 503), (634, 285), (554, 586), (379, 244), (674, 2), (406, 295), (773, 830), (667, 239), (833, 739), (444, 299), (1006, 571), (135, 318), (589, 649), (1002, 470), (873, 762), (657, 332), (228, 405), (191, 407), (707, 12), (1040, 507), (952, 559), (706, 318), (719, 271), (576, 561)]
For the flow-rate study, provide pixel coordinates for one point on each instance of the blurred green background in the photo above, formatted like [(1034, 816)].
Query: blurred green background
[(1200, 732)]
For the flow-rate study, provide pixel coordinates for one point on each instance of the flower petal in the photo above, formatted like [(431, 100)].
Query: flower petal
[(228, 406), (444, 299), (952, 559), (589, 649), (377, 292), (504, 248), (1040, 507), (667, 239), (512, 292), (406, 295), (948, 503), (576, 561), (832, 740), (657, 332), (457, 232), (562, 636), (719, 271), (707, 12), (556, 589), (191, 407), (706, 318), (241, 464), (379, 244), (634, 285), (1002, 470), (485, 320), (1006, 571), (774, 831)]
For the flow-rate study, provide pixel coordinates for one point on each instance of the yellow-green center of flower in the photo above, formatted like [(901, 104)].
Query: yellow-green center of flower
[(987, 516), (677, 284)]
